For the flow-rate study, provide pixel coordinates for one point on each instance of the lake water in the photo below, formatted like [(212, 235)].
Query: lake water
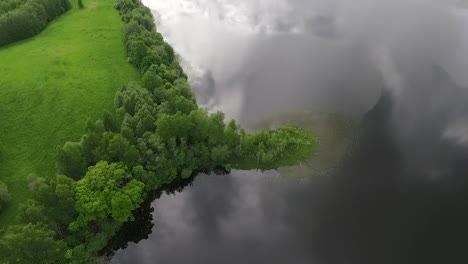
[(397, 67)]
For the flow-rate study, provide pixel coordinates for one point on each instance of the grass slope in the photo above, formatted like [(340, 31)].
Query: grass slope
[(50, 85)]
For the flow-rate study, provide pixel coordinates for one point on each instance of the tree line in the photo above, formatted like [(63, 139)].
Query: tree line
[(156, 135), (21, 19)]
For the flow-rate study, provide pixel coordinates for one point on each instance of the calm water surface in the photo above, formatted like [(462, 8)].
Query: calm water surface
[(396, 66)]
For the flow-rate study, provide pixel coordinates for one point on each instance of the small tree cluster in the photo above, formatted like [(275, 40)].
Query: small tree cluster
[(28, 17)]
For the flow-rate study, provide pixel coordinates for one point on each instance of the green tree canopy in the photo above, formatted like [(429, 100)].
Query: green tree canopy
[(107, 190), (71, 160), (56, 200), (31, 244)]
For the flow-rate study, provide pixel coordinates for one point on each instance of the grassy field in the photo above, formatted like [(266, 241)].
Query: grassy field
[(50, 85)]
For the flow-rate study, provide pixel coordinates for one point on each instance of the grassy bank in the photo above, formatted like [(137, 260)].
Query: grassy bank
[(51, 85)]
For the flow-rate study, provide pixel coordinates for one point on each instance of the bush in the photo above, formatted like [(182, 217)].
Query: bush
[(29, 18), (4, 195), (80, 4), (71, 161)]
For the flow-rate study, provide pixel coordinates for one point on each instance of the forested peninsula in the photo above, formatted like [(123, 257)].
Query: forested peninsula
[(156, 134)]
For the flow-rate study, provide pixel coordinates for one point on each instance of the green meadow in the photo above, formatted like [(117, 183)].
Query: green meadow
[(50, 85)]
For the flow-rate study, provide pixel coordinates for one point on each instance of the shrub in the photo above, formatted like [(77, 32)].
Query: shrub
[(29, 18), (4, 195)]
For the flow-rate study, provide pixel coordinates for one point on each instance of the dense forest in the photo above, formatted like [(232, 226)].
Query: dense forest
[(156, 135), (21, 19)]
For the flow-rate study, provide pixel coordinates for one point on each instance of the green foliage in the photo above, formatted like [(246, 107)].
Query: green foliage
[(272, 149), (53, 204), (120, 149), (80, 4), (107, 190), (152, 81), (71, 161), (80, 254), (32, 211), (55, 197), (109, 122), (21, 19), (176, 126), (9, 5), (4, 195), (31, 244)]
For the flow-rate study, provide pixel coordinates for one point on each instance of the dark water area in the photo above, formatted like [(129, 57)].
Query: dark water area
[(398, 67), (367, 212)]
